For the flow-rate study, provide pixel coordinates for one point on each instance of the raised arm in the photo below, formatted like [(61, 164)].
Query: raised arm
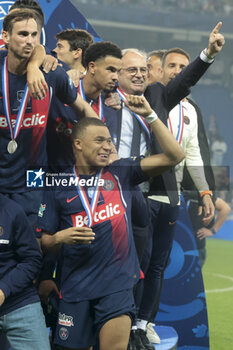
[(172, 152), (179, 87), (216, 42)]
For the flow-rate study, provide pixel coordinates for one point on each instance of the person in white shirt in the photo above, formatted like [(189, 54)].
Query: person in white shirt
[(182, 122)]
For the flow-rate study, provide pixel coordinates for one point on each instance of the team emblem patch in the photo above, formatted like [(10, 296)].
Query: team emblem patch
[(1, 230), (41, 210), (108, 185), (186, 120), (65, 320), (90, 191), (63, 333), (20, 95)]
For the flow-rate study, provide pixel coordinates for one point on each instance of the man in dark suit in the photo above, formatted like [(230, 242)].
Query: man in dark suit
[(132, 79)]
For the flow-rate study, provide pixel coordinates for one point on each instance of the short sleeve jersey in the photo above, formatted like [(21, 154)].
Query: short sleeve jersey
[(109, 264), (31, 152)]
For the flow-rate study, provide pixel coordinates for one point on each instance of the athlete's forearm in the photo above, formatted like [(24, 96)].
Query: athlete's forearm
[(35, 79), (71, 235), (83, 109), (223, 211), (50, 243), (37, 57)]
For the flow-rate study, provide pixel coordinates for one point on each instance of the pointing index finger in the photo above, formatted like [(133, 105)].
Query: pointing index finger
[(217, 27)]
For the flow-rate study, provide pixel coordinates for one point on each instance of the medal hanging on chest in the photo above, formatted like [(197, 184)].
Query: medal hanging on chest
[(12, 144), (90, 209)]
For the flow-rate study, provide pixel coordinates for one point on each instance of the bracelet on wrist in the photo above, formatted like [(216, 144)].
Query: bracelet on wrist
[(151, 118), (203, 193)]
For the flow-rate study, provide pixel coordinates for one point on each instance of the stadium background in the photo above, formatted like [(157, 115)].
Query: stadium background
[(158, 24)]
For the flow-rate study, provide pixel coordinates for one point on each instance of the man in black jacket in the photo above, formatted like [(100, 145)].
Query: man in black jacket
[(21, 316), (162, 99)]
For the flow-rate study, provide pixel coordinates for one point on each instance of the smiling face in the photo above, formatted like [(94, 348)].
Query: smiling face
[(92, 149), (22, 39), (173, 65), (133, 76)]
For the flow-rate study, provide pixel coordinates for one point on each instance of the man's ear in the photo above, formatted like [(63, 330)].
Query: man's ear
[(92, 67), (5, 36), (77, 144), (77, 53), (160, 70)]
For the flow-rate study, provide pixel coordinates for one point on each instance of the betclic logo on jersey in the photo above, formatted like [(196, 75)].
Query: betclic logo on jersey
[(30, 120), (103, 213)]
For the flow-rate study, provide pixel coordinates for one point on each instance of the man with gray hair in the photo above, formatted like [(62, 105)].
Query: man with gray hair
[(133, 79)]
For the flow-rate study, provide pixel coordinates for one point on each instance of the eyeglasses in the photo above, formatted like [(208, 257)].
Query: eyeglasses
[(134, 70)]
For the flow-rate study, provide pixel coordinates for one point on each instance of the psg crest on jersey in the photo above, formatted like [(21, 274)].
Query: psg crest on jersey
[(108, 185), (90, 191)]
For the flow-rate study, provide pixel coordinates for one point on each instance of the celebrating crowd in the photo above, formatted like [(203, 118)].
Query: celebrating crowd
[(116, 131)]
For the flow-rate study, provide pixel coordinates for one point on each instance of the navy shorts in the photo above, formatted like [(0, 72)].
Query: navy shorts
[(79, 323)]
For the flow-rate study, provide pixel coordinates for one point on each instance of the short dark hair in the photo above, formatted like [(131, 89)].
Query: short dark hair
[(81, 126), (101, 50), (17, 16), (175, 50), (157, 53), (77, 39), (31, 5)]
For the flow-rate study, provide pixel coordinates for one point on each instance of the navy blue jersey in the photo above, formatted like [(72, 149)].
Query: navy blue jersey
[(59, 132), (31, 151), (59, 135), (109, 264), (20, 257)]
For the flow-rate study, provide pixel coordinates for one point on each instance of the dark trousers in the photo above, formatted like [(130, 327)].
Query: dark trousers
[(156, 256)]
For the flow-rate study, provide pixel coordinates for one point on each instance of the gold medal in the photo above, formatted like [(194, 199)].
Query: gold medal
[(12, 146)]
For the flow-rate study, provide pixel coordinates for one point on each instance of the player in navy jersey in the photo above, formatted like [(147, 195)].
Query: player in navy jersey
[(102, 60), (22, 119), (71, 48), (100, 265)]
